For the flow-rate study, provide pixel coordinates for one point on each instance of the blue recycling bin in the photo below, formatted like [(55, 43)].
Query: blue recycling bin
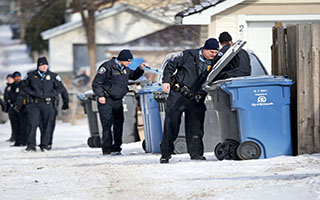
[(263, 113), (151, 118)]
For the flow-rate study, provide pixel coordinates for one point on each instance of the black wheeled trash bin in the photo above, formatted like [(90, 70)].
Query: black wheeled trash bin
[(89, 102)]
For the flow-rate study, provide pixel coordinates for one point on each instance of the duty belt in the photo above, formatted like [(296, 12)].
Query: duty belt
[(187, 92), (47, 100)]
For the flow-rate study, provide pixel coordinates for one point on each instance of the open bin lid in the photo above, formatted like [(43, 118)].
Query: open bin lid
[(224, 60)]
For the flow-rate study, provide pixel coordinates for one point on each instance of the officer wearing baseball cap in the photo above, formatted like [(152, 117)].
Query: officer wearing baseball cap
[(18, 111), (7, 105), (110, 85), (182, 79)]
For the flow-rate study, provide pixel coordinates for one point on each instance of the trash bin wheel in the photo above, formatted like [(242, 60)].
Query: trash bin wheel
[(90, 142), (96, 141), (216, 151), (144, 145), (180, 145), (227, 150), (248, 150)]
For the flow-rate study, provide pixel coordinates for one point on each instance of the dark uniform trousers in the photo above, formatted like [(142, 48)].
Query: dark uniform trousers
[(194, 118), (111, 113), (43, 113), (11, 114), (19, 121)]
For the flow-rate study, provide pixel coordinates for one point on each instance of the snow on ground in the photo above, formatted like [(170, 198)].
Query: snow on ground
[(72, 170)]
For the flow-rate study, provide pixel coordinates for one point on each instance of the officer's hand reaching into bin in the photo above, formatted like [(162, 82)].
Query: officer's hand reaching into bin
[(166, 87), (102, 100)]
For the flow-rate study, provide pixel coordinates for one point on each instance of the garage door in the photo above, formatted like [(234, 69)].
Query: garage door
[(260, 39)]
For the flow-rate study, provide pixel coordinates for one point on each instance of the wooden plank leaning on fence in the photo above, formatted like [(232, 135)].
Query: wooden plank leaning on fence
[(291, 60)]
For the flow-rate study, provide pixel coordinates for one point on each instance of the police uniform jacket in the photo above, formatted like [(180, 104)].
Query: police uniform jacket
[(15, 92), (238, 66), (111, 81), (6, 97), (187, 73), (47, 86)]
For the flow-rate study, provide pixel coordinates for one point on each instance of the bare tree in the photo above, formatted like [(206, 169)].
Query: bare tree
[(87, 9), (24, 10)]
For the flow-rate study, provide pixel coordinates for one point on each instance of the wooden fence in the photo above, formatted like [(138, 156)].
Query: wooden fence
[(296, 53)]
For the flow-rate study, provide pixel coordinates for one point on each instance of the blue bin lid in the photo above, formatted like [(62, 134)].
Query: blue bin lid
[(257, 81), (150, 88), (135, 63)]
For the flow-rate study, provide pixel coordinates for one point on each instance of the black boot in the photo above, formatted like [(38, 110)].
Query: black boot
[(198, 158), (164, 159)]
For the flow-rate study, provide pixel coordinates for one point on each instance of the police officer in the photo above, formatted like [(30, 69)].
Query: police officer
[(42, 86), (18, 111), (7, 105), (239, 65), (185, 95), (110, 85)]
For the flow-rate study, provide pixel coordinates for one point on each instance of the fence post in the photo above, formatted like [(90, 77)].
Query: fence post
[(304, 89), (316, 84)]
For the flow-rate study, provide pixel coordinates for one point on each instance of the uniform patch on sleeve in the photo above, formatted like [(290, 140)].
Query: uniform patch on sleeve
[(102, 70), (58, 78), (25, 77), (177, 55), (220, 54)]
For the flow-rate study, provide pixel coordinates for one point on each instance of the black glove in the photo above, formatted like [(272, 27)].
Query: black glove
[(65, 106), (16, 108)]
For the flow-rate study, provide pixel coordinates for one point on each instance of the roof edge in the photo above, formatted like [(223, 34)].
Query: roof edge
[(58, 30), (203, 16)]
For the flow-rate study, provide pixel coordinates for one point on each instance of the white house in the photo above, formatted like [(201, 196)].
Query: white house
[(250, 20), (118, 25)]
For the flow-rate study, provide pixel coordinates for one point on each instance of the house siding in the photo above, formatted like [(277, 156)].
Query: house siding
[(228, 19)]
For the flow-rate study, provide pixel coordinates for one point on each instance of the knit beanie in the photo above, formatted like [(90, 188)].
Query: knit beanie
[(211, 44), (42, 61), (125, 55), (225, 37)]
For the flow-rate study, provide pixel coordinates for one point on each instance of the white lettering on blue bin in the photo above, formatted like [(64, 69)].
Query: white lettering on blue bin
[(261, 98)]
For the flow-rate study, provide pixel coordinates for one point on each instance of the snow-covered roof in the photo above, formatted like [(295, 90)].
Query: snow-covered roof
[(201, 13), (61, 29)]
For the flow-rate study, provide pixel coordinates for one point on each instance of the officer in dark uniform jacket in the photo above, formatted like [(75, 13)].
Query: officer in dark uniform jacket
[(42, 86), (238, 65), (110, 85), (18, 111), (7, 105), (185, 95)]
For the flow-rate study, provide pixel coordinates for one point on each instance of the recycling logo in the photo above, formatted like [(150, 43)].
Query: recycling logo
[(262, 99)]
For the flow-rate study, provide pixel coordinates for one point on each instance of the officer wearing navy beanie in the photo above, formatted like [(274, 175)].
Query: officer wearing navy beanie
[(110, 85), (42, 87), (182, 79)]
